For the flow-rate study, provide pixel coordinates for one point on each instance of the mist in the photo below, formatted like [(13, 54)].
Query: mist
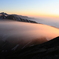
[(48, 21), (15, 32)]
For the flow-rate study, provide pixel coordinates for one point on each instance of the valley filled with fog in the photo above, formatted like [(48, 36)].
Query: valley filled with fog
[(24, 34), (23, 30)]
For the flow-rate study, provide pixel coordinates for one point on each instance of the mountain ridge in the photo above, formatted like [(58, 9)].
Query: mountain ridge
[(16, 17)]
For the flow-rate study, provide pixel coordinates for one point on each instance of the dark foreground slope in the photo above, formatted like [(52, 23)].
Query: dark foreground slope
[(47, 50)]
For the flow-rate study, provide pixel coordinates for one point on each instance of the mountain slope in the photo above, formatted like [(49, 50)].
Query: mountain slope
[(47, 50), (15, 17)]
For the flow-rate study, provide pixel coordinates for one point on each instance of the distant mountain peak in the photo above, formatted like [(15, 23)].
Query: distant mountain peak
[(16, 17)]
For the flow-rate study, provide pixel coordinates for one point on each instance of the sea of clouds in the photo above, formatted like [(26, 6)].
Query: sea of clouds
[(48, 21)]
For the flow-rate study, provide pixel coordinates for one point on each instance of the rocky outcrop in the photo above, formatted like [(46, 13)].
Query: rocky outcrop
[(3, 15)]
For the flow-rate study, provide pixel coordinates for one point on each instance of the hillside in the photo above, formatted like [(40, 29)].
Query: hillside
[(47, 50), (16, 17)]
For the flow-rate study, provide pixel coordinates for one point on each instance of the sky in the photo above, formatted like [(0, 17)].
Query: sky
[(34, 8)]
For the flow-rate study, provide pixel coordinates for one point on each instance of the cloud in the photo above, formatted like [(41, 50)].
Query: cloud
[(48, 21)]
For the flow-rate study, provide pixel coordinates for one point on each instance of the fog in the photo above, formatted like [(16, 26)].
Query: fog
[(23, 33), (48, 21)]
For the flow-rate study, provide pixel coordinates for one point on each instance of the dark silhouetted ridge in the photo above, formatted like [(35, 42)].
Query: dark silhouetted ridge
[(47, 50)]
